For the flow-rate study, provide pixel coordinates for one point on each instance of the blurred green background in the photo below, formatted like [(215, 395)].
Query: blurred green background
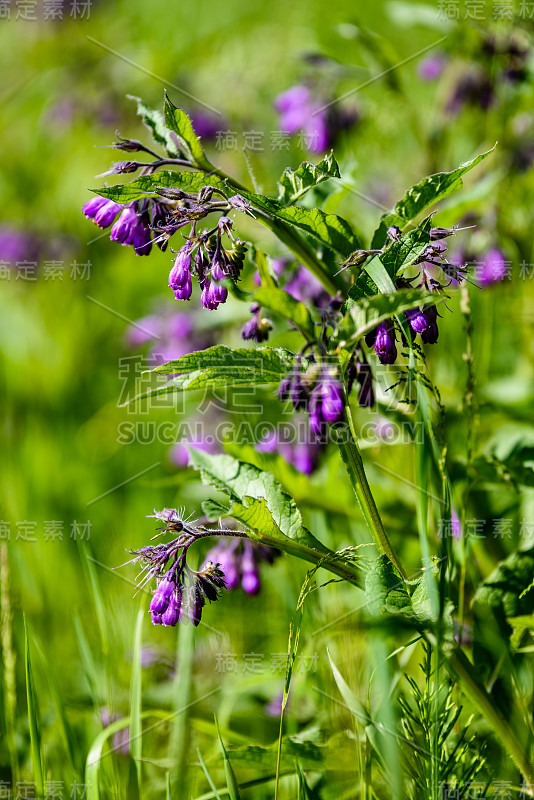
[(75, 497)]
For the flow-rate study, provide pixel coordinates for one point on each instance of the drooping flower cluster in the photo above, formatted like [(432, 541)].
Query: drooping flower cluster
[(240, 560), (317, 390), (435, 275), (131, 224), (181, 592), (204, 257)]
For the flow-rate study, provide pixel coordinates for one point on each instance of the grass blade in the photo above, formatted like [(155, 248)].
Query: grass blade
[(231, 781), (136, 739), (33, 720), (208, 776)]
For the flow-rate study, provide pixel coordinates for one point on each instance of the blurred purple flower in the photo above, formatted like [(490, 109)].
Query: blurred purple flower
[(318, 120), (239, 560), (430, 67), (493, 268), (17, 246), (207, 125), (179, 454), (121, 739)]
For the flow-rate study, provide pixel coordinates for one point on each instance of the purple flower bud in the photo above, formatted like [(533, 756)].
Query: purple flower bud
[(156, 618), (299, 393), (142, 240), (161, 597), (180, 274), (269, 443), (227, 561), (305, 457), (93, 206), (107, 213), (430, 335), (173, 612), (216, 272), (208, 297), (220, 293), (257, 327), (124, 228), (195, 605), (385, 342), (185, 291), (417, 320), (315, 420), (332, 400)]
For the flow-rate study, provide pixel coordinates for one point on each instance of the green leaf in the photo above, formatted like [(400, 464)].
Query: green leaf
[(259, 502), (305, 792), (402, 253), (328, 229), (504, 590), (293, 184), (268, 364), (309, 754), (509, 473), (221, 366), (281, 302), (177, 120), (147, 185), (385, 589), (423, 194), (154, 121)]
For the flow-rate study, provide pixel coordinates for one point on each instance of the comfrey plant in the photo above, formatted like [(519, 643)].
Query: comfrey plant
[(379, 304)]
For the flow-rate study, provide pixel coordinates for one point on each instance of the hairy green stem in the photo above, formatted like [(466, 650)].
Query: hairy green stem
[(353, 461)]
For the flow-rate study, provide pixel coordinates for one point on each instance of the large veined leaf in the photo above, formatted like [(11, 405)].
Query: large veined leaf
[(407, 249), (330, 230), (177, 121), (272, 509), (155, 123), (270, 515), (310, 755), (221, 366), (294, 184), (385, 589), (423, 194), (504, 590), (148, 185)]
